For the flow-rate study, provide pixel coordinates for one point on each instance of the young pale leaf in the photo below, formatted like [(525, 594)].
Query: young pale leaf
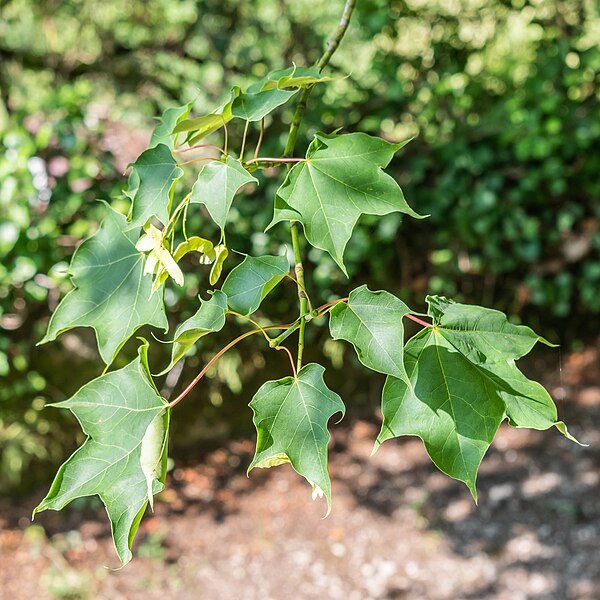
[(341, 179), (162, 133), (111, 294), (123, 459), (193, 244), (150, 185), (209, 318), (463, 383), (221, 254), (159, 257), (196, 244), (200, 127), (216, 186), (291, 417), (372, 323), (248, 284)]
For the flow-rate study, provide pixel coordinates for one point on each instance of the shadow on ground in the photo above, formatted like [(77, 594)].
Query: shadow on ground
[(399, 528)]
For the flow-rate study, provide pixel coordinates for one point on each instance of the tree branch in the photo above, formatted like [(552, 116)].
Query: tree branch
[(332, 45)]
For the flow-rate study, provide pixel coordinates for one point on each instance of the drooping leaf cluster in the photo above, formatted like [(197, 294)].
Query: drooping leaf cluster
[(452, 384)]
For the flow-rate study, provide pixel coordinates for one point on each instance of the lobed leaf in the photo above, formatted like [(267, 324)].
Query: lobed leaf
[(216, 186), (483, 334), (448, 403), (463, 381), (341, 179), (111, 294), (249, 283), (291, 416), (372, 323), (123, 459), (151, 184), (163, 132)]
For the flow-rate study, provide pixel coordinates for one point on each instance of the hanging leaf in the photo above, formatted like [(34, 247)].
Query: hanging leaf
[(163, 132), (209, 318), (221, 254), (123, 459), (216, 186), (459, 394), (249, 283), (341, 179), (372, 323), (151, 183), (291, 416), (111, 294)]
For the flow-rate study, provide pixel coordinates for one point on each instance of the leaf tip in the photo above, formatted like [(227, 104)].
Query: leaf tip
[(547, 343), (376, 446), (562, 427)]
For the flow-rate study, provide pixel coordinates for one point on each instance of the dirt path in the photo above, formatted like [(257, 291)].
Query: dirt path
[(398, 529)]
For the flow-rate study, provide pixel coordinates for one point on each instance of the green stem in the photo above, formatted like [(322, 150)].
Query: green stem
[(286, 334), (299, 269), (332, 45)]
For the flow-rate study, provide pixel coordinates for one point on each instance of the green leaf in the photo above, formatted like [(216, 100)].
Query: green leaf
[(463, 381), (248, 284), (482, 334), (196, 244), (163, 132), (341, 179), (487, 339), (209, 318), (216, 186), (297, 77), (221, 254), (264, 96), (151, 182), (291, 416), (111, 294), (254, 107), (123, 459), (372, 323), (450, 404), (200, 127)]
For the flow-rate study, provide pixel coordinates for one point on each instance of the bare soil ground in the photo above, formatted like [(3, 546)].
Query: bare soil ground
[(398, 529)]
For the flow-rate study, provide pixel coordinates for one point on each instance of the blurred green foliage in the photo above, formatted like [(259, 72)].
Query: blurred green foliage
[(502, 95)]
